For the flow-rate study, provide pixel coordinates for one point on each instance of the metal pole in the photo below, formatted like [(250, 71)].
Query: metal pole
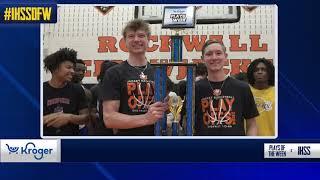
[(157, 98), (176, 48), (190, 100), (163, 95)]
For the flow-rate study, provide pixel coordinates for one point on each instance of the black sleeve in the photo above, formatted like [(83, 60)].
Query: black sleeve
[(250, 108), (94, 93), (197, 108), (110, 89), (81, 97)]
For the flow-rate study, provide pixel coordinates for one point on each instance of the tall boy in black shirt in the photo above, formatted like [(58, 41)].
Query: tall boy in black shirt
[(128, 88)]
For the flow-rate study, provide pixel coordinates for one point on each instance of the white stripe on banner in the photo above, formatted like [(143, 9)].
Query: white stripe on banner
[(291, 150), (32, 150)]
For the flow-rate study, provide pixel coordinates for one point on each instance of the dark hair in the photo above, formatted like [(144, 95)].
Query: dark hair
[(80, 61), (201, 69), (182, 88), (169, 84), (213, 41), (104, 66), (182, 91), (270, 70), (242, 76), (52, 62), (135, 25)]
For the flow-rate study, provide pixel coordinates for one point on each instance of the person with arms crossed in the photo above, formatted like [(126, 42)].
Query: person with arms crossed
[(64, 103)]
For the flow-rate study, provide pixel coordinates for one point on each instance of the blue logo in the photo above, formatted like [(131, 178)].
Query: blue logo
[(12, 149), (30, 148)]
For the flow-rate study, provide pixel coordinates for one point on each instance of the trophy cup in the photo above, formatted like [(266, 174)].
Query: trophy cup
[(175, 106), (176, 17)]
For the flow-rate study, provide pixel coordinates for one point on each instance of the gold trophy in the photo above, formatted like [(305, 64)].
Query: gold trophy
[(175, 106)]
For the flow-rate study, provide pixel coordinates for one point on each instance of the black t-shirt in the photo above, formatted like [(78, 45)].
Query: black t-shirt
[(69, 99), (99, 128), (223, 115), (122, 82), (95, 94)]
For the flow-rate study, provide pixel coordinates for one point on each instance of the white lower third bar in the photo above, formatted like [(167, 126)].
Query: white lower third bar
[(291, 150), (33, 150)]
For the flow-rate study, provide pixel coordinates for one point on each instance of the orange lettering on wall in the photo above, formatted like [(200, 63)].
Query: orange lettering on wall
[(182, 71), (169, 68), (97, 67), (122, 45), (239, 65), (154, 47), (107, 43), (255, 44), (195, 44), (234, 43), (226, 71), (165, 41), (216, 37), (88, 64)]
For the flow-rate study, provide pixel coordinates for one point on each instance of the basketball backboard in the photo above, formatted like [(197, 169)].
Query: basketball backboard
[(210, 14)]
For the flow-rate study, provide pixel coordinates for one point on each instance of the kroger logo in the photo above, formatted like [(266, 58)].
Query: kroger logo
[(30, 148)]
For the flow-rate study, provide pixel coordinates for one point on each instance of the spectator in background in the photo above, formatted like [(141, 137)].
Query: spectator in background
[(98, 127), (79, 72), (242, 77), (201, 71), (64, 103), (261, 79)]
